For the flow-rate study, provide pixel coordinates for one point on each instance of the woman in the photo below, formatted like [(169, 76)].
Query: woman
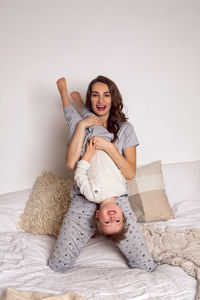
[(104, 100)]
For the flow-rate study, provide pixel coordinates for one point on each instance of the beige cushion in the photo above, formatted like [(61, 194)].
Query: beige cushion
[(47, 204), (147, 194)]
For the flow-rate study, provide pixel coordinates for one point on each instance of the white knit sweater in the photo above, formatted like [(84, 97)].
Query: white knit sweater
[(100, 179)]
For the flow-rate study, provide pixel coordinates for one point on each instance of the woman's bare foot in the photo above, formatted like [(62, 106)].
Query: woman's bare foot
[(62, 87), (77, 98)]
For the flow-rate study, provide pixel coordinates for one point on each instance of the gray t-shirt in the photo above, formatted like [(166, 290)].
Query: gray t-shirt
[(126, 134)]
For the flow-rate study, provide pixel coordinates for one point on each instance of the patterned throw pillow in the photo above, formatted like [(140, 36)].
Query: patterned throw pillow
[(47, 204), (147, 194)]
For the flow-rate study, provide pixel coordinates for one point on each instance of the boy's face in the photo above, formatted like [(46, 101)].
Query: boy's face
[(110, 217)]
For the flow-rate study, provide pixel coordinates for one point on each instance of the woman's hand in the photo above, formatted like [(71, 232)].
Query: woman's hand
[(90, 121)]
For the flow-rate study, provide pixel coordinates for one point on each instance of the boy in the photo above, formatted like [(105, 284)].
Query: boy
[(98, 178)]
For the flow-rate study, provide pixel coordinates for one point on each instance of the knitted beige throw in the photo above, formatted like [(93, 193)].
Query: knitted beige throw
[(175, 246), (12, 294)]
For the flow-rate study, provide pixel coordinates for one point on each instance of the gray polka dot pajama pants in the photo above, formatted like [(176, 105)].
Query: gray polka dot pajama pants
[(77, 229), (134, 247)]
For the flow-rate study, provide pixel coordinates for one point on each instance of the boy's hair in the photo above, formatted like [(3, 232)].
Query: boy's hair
[(115, 237)]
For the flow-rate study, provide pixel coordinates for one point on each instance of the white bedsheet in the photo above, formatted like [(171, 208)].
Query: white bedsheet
[(187, 215), (101, 272)]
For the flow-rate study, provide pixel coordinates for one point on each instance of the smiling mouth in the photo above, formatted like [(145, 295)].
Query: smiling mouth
[(101, 107), (111, 212)]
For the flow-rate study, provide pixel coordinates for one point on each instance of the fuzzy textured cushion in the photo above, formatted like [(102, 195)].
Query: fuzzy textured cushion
[(147, 194), (47, 204)]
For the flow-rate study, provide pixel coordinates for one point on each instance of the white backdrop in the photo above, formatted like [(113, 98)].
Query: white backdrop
[(150, 48)]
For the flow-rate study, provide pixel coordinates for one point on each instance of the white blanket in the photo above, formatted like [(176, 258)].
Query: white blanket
[(176, 247)]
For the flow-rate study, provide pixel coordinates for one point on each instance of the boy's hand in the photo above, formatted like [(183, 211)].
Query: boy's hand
[(102, 143), (91, 149)]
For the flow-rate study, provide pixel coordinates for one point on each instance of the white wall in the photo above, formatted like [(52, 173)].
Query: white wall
[(150, 48)]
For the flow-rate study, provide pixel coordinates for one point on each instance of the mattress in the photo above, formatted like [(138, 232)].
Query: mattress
[(100, 272)]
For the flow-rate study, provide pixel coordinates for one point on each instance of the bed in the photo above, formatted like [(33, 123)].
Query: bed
[(101, 272)]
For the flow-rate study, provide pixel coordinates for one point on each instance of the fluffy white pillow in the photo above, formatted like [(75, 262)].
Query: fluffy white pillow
[(182, 181), (11, 207)]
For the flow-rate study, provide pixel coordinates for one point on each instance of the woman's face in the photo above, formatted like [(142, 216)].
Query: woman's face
[(101, 99)]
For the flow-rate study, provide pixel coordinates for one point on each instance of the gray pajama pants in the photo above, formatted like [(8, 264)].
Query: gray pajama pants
[(77, 229)]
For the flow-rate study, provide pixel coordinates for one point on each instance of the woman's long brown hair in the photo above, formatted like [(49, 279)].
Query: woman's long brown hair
[(116, 115)]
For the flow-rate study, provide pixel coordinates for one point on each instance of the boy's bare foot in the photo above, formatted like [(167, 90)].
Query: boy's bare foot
[(77, 98), (62, 87)]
